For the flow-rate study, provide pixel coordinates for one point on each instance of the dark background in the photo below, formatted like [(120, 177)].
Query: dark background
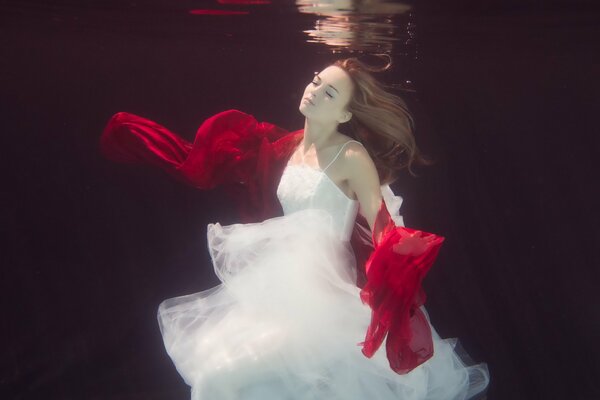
[(507, 104)]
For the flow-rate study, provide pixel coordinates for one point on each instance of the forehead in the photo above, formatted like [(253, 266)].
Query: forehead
[(337, 77)]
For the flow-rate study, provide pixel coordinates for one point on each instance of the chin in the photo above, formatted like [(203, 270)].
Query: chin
[(302, 108)]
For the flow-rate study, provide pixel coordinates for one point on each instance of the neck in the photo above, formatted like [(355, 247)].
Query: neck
[(318, 134)]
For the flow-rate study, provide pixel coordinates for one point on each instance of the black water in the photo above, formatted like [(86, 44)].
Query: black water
[(506, 100)]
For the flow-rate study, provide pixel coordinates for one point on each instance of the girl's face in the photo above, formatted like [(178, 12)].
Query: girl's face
[(326, 98)]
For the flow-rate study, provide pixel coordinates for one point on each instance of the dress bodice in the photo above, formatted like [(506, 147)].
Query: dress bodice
[(304, 187)]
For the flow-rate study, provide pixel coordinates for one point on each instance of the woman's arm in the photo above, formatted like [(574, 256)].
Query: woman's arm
[(400, 259), (364, 181)]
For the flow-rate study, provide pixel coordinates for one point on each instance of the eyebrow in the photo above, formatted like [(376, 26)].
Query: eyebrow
[(331, 86)]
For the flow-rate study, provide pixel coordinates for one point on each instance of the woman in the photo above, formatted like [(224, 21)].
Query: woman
[(300, 291)]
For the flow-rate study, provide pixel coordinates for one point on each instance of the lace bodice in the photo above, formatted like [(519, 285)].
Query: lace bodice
[(304, 187)]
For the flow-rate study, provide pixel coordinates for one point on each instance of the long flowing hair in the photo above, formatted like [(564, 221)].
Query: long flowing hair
[(382, 122)]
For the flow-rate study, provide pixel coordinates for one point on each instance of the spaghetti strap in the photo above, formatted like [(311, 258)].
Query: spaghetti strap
[(340, 152)]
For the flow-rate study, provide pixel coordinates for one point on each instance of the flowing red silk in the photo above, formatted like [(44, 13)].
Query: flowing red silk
[(248, 157), (230, 149), (393, 291)]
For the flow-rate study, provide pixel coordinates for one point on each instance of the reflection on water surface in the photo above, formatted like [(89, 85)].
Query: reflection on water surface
[(344, 27), (364, 26), (360, 26)]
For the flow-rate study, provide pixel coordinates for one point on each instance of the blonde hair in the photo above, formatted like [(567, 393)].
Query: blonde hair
[(381, 121)]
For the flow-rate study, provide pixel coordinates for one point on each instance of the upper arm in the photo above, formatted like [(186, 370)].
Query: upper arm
[(364, 182)]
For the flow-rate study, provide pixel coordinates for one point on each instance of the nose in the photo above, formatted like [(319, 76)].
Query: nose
[(314, 92)]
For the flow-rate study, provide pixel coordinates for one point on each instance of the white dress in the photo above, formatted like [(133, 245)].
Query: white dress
[(286, 320)]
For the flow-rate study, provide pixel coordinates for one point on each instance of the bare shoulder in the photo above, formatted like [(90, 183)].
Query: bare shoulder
[(357, 157), (358, 166)]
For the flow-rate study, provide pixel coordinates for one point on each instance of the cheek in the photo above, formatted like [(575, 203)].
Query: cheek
[(334, 106)]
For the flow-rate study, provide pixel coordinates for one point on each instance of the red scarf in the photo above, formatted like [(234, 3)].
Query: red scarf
[(248, 157)]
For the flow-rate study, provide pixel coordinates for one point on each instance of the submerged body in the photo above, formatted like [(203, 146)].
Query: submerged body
[(287, 319), (306, 298)]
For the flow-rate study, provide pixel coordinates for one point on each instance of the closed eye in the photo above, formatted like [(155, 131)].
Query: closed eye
[(316, 81)]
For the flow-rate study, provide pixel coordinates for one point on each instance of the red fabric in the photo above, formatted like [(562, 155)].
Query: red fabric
[(233, 149), (230, 148), (394, 273)]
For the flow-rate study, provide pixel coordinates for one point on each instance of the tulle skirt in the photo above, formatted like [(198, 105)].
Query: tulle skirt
[(286, 321)]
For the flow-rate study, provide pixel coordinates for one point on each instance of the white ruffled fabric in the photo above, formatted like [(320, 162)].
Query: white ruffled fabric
[(286, 322), (393, 202)]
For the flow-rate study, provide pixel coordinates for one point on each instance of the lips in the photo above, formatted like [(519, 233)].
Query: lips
[(309, 101)]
